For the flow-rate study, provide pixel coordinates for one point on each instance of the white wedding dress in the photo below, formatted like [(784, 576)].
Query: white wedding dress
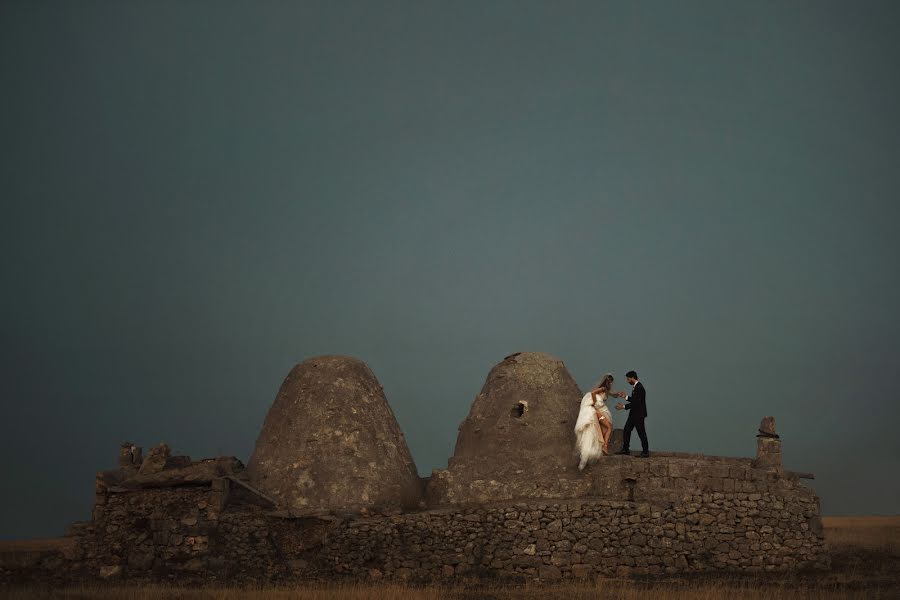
[(588, 439)]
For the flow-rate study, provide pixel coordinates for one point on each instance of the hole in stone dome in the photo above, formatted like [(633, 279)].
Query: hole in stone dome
[(519, 409)]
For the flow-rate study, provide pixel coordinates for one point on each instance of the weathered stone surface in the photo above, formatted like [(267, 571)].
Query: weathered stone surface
[(156, 459), (768, 453), (528, 405), (767, 427), (330, 440), (195, 473), (185, 532), (110, 571), (616, 440), (518, 438)]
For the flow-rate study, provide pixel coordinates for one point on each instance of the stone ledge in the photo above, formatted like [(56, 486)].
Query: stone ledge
[(202, 472)]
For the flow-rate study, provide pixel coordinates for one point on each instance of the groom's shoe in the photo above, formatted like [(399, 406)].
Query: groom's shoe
[(645, 455), (624, 451)]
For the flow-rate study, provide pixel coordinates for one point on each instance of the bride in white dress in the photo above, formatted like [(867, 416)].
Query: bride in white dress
[(594, 425)]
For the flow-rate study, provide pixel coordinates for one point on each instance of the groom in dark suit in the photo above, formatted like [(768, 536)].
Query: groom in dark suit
[(636, 405)]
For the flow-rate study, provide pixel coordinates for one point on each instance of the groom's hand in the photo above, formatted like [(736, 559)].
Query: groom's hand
[(620, 406)]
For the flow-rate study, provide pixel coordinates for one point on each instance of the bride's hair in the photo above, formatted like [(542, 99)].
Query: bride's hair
[(606, 382)]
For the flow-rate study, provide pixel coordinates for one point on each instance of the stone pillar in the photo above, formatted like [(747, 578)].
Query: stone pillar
[(768, 453), (767, 428), (768, 445), (156, 459)]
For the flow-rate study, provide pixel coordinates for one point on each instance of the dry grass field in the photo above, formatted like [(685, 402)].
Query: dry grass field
[(871, 533), (866, 565)]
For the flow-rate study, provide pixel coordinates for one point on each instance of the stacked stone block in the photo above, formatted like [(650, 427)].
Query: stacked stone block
[(176, 533)]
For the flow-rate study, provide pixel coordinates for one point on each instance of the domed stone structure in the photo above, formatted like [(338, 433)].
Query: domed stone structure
[(528, 404), (518, 438), (331, 441)]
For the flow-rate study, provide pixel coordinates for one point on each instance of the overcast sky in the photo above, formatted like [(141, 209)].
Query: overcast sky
[(198, 195)]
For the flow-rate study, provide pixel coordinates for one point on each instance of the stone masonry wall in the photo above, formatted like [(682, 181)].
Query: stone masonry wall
[(584, 538), (146, 534), (666, 477), (674, 513), (208, 533)]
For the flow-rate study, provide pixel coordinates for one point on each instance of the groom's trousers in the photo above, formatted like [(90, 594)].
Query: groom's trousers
[(635, 423)]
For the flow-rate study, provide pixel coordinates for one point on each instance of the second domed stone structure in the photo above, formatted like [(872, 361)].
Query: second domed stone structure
[(518, 438), (528, 405), (331, 441)]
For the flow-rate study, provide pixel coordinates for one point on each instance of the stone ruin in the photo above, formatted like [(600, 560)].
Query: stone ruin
[(331, 492), (330, 441), (517, 440)]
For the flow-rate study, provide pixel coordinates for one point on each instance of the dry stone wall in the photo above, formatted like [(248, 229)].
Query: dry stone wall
[(665, 516), (581, 538)]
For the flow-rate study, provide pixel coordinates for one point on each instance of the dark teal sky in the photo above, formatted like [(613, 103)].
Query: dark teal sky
[(197, 195)]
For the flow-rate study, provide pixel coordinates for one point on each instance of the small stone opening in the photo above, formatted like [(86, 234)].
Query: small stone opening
[(519, 409), (628, 486)]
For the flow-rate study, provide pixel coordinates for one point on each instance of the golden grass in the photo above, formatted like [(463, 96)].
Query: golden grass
[(869, 533), (25, 553), (606, 590)]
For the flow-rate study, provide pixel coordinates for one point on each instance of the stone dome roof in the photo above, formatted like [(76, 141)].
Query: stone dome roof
[(331, 441), (527, 407)]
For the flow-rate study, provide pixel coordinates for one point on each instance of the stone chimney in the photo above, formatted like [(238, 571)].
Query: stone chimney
[(768, 445)]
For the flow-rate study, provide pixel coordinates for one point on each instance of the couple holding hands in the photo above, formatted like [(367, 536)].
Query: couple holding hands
[(594, 426)]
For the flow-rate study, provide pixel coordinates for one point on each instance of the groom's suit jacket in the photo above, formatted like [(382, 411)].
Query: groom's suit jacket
[(636, 403)]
